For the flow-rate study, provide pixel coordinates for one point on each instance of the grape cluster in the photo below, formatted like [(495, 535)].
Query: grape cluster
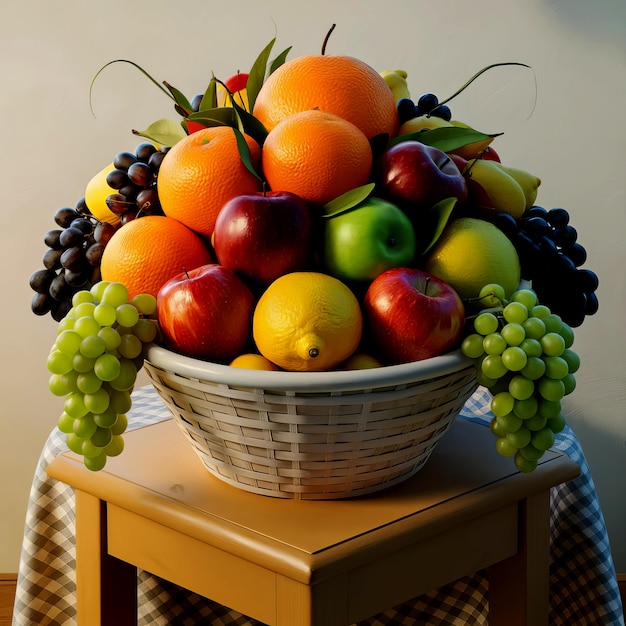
[(94, 363), (523, 355), (551, 258), (427, 104), (71, 262), (134, 177)]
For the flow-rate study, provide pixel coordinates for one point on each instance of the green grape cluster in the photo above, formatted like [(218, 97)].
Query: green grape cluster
[(94, 363), (523, 355)]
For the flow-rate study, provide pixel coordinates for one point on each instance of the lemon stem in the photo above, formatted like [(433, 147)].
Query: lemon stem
[(332, 28), (314, 352)]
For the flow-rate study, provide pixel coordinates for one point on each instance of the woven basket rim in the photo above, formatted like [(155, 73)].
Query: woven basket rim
[(329, 381)]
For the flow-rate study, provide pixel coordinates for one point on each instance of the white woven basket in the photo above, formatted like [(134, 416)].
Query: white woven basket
[(312, 435)]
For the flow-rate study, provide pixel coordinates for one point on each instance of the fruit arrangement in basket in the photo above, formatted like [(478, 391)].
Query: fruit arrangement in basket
[(314, 215)]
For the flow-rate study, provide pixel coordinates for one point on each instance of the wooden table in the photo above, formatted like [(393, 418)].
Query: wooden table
[(300, 563)]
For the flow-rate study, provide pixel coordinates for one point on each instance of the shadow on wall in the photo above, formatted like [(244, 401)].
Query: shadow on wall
[(600, 19)]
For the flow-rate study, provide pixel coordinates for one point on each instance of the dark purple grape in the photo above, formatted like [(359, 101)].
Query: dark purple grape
[(116, 179), (71, 237), (559, 218), (128, 216), (506, 223), (443, 111), (141, 174), (144, 151), (78, 279), (536, 225), (130, 191), (93, 254), (64, 217), (587, 280), (196, 101), (536, 211), (85, 226), (118, 204), (123, 160), (52, 259), (155, 160), (103, 232), (406, 110), (592, 304), (73, 258), (82, 208), (41, 279), (148, 201), (59, 289), (51, 239), (41, 304), (566, 236), (426, 103), (576, 253), (60, 309)]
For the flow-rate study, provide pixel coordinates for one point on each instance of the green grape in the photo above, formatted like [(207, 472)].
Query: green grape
[(532, 347), (59, 362), (84, 309), (551, 389), (493, 367), (146, 331), (82, 364), (557, 424), (486, 323), (104, 314), (509, 423), (115, 446), (530, 453), (540, 310), (549, 408), (502, 404), (543, 439), (556, 367), (68, 342), (471, 347), (527, 466), (534, 369), (553, 323), (92, 346), (102, 437), (527, 297), (552, 344), (501, 385), (81, 296), (126, 377), (484, 380), (515, 313), (145, 303), (115, 294), (97, 290), (126, 315), (98, 401), (120, 425), (74, 443), (520, 438), (496, 428), (505, 447), (567, 333), (86, 327), (130, 346), (526, 409), (111, 338), (572, 359), (62, 384), (534, 327), (95, 463), (89, 450), (88, 382), (74, 404), (494, 343), (67, 323), (107, 367), (85, 426), (536, 422), (520, 387), (513, 334), (106, 419), (65, 423), (570, 383), (120, 401), (492, 295), (514, 358)]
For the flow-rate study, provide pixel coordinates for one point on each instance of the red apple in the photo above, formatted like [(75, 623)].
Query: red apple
[(236, 82), (206, 313), (416, 177), (261, 236), (412, 315)]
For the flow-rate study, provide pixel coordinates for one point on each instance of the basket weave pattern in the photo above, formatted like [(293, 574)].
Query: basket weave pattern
[(314, 444)]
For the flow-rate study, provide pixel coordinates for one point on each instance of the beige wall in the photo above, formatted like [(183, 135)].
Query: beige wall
[(564, 121)]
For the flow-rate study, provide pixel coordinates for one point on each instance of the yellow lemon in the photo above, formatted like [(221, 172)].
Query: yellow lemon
[(97, 192), (307, 321), (423, 122), (472, 253), (360, 361), (253, 361)]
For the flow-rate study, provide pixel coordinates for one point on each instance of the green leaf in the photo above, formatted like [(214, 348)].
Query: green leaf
[(165, 132), (279, 60), (347, 200), (244, 152), (437, 218), (249, 124), (446, 138), (256, 76), (93, 80), (209, 99), (219, 116), (179, 98)]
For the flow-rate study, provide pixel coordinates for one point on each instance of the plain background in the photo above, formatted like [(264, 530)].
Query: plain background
[(563, 120)]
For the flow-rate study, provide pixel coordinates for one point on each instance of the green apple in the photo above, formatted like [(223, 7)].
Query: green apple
[(365, 240)]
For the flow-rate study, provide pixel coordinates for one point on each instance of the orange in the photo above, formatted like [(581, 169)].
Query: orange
[(201, 173), (146, 252), (341, 85), (316, 155)]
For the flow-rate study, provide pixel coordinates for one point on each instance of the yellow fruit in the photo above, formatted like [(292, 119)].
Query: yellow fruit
[(240, 97), (471, 150), (307, 321), (253, 361), (423, 122), (396, 79), (96, 193), (527, 181), (472, 253), (360, 361), (503, 190)]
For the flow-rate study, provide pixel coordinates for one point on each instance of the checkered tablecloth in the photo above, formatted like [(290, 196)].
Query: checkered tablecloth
[(583, 585)]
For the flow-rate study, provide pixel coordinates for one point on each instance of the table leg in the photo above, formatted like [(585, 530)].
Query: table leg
[(519, 587), (106, 587)]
